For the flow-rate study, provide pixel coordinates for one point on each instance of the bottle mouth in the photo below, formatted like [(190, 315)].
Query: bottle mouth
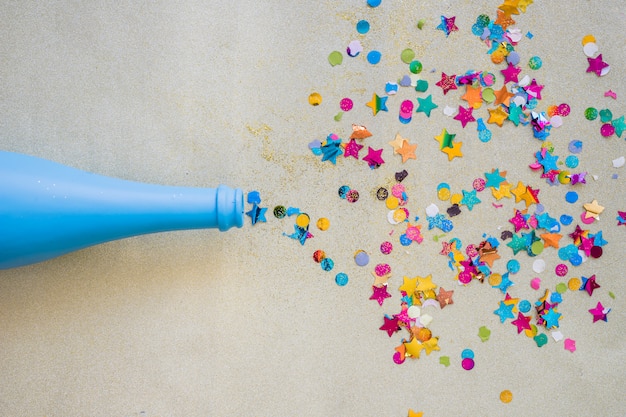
[(229, 207)]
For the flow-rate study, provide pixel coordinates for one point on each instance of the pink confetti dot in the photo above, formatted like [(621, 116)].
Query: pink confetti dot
[(465, 277), (382, 270), (585, 219), (471, 251), (397, 358), (397, 190), (607, 130), (352, 196), (346, 104), (479, 184), (561, 270), (467, 364), (570, 345), (535, 283), (564, 109), (386, 248)]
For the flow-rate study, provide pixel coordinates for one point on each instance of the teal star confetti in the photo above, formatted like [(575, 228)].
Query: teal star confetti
[(494, 179), (505, 311), (551, 319), (426, 105), (469, 199)]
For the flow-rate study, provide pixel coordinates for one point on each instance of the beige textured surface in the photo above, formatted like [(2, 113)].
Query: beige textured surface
[(245, 323)]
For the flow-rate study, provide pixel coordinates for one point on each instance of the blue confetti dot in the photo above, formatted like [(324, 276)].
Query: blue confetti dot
[(373, 3), (513, 266), (327, 264), (373, 57), (343, 191), (405, 240), (575, 259), (571, 161), (524, 306), (477, 29), (484, 135), (341, 279), (571, 197), (363, 26), (566, 220), (467, 353), (575, 146)]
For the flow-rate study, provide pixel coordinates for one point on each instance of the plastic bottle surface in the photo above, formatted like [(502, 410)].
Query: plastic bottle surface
[(48, 209)]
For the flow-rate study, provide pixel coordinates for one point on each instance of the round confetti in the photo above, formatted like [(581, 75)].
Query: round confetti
[(303, 220), (571, 197), (399, 215), (513, 266), (575, 146), (373, 57), (341, 279), (607, 130), (397, 358), (574, 284), (566, 220), (405, 240), (373, 3), (535, 63), (564, 109), (363, 26), (327, 264), (382, 194), (495, 279), (392, 202), (382, 270), (595, 251), (506, 396), (591, 113), (590, 49), (323, 223), (386, 248), (354, 48), (352, 196), (315, 99), (319, 255), (539, 266), (535, 283), (479, 184), (343, 191), (415, 67), (421, 86), (537, 247), (443, 194), (335, 58), (424, 334), (488, 95), (361, 258), (456, 198), (524, 306), (541, 339), (513, 58), (346, 104), (588, 39), (467, 364), (561, 288), (407, 55), (280, 212), (561, 270), (467, 353)]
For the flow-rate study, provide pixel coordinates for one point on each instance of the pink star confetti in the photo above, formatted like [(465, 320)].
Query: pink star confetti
[(597, 65)]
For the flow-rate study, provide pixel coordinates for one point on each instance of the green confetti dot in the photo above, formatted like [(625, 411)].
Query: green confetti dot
[(444, 360), (484, 333), (335, 58), (535, 63), (488, 95), (537, 247), (338, 116), (561, 288), (420, 23), (415, 67), (407, 55), (421, 86), (591, 113)]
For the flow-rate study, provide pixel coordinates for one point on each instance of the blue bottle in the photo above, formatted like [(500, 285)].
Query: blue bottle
[(48, 209)]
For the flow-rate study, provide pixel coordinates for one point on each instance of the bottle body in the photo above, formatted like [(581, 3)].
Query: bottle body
[(48, 209)]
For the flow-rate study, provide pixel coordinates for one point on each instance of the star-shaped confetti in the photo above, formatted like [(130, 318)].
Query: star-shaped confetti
[(445, 297), (589, 284), (522, 322), (515, 114), (331, 149), (425, 105), (415, 413), (445, 139), (596, 65), (621, 218), (497, 116), (600, 312), (413, 348), (407, 151), (494, 178), (505, 311), (473, 96), (619, 125), (447, 83), (377, 104), (593, 209), (379, 294), (425, 284), (469, 199), (397, 143), (257, 214), (454, 151), (447, 25), (374, 157), (465, 115), (510, 73), (431, 345), (551, 318), (390, 325), (352, 149)]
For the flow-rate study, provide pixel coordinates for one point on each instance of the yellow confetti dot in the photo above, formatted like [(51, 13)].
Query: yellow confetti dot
[(506, 396), (564, 177), (574, 284), (424, 334), (497, 57), (456, 198), (303, 220), (399, 215), (443, 194), (315, 99), (392, 202), (323, 223), (588, 39), (495, 279)]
